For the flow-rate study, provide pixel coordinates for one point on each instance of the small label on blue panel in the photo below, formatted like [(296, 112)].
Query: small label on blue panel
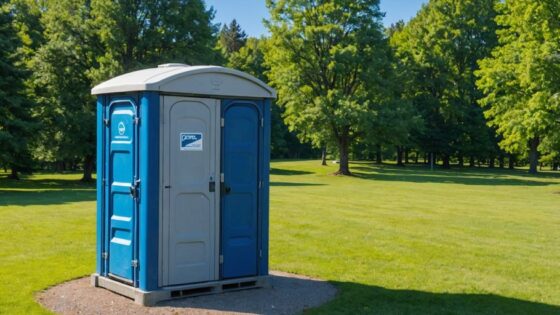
[(121, 130), (191, 141)]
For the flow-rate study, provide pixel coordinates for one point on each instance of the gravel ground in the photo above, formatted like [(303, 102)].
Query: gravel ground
[(289, 294)]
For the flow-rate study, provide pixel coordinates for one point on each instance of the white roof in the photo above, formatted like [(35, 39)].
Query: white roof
[(184, 79)]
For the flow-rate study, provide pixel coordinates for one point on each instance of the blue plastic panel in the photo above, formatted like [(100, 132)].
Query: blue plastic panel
[(120, 176), (100, 268), (241, 138), (264, 191), (149, 191)]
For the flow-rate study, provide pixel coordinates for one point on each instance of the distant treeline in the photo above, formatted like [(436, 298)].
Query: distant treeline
[(466, 82)]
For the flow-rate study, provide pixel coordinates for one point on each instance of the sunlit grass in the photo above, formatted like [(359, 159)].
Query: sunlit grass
[(393, 240)]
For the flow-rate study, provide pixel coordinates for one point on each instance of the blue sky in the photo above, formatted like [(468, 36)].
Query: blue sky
[(250, 13)]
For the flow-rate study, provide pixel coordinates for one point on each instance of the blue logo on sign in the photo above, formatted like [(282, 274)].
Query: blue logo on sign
[(191, 141)]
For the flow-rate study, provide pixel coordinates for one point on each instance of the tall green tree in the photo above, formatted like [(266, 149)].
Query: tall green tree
[(283, 143), (231, 38), (440, 48), (521, 80), (139, 34), (16, 123), (328, 60), (61, 83)]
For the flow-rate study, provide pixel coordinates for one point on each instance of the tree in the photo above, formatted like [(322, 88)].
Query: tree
[(521, 79), (250, 59), (327, 62), (16, 122), (140, 34), (231, 38), (61, 83), (440, 48)]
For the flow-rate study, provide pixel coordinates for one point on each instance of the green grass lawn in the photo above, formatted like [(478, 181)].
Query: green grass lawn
[(393, 240)]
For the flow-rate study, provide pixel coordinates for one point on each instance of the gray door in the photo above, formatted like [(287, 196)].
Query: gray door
[(190, 200)]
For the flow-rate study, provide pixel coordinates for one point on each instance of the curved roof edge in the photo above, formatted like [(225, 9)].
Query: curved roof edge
[(196, 80)]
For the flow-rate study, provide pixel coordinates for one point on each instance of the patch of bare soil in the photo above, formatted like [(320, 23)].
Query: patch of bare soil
[(288, 294)]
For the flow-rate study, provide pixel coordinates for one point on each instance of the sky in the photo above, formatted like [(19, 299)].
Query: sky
[(250, 13)]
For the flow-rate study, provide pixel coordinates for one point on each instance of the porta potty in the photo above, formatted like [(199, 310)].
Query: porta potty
[(183, 182)]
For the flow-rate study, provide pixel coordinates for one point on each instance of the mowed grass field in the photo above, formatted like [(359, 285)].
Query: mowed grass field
[(393, 240)]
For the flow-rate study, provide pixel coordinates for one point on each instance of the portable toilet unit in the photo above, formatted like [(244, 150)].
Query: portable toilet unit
[(183, 182)]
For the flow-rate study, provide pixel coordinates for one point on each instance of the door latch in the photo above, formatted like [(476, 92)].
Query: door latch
[(212, 184), (134, 189), (225, 189)]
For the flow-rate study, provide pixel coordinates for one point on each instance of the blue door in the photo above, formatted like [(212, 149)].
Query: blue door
[(122, 186), (240, 165)]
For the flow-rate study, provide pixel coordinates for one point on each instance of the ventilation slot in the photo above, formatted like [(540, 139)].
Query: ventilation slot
[(230, 286), (238, 285), (247, 284), (188, 292)]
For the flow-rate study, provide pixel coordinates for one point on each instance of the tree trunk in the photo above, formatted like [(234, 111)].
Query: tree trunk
[(511, 162), (533, 155), (343, 167), (406, 157), (501, 161), (324, 156), (461, 160), (426, 158), (445, 160), (378, 155), (491, 164), (416, 157), (471, 161), (400, 156), (14, 174), (88, 169)]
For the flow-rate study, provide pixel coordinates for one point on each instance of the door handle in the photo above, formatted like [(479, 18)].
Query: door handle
[(225, 189)]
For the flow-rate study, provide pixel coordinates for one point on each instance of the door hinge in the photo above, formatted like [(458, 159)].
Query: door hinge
[(134, 263), (221, 177), (106, 122), (134, 189), (260, 184), (104, 182), (221, 259), (222, 122), (262, 122), (137, 120), (260, 253), (104, 255)]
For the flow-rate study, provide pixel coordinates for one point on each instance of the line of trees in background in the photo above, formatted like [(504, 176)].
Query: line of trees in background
[(468, 82)]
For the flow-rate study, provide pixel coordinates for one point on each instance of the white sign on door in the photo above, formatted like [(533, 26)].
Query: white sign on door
[(191, 141)]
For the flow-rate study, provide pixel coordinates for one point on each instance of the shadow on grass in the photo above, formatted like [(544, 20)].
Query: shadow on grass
[(44, 197), (418, 174), (292, 295), (288, 184), (27, 192), (45, 183), (356, 298), (281, 171)]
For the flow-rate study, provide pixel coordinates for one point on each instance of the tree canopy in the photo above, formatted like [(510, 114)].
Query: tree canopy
[(439, 49), (463, 80), (16, 121), (521, 79), (328, 63)]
